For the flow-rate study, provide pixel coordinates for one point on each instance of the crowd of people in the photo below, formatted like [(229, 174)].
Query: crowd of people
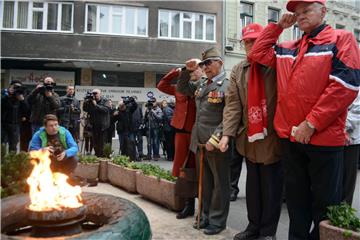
[(290, 110)]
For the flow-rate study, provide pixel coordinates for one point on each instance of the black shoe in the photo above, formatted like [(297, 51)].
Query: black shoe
[(202, 225), (246, 235), (233, 197), (188, 210), (212, 230)]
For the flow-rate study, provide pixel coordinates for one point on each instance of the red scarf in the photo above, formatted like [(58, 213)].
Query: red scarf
[(257, 110)]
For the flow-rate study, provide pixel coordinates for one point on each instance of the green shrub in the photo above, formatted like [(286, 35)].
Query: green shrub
[(107, 150), (88, 159), (344, 216), (156, 171), (121, 160), (15, 169), (146, 168)]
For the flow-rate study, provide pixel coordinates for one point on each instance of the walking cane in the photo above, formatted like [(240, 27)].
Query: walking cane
[(201, 173)]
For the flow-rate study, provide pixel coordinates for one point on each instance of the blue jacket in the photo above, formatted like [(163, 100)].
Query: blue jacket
[(39, 140)]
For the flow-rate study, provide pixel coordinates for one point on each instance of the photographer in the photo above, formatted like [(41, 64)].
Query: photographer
[(153, 118), (59, 142), (98, 108), (125, 127), (43, 100), (69, 112), (13, 107)]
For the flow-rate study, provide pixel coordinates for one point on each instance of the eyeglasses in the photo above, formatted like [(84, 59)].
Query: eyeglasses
[(95, 93)]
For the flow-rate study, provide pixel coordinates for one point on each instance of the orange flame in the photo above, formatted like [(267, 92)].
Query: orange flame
[(48, 190)]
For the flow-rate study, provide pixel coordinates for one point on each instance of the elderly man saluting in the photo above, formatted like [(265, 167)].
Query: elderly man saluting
[(317, 79), (210, 93)]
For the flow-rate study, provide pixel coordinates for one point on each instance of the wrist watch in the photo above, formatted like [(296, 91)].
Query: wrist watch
[(309, 125)]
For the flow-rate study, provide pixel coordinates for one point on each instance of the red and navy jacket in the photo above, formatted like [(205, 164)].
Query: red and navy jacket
[(318, 77)]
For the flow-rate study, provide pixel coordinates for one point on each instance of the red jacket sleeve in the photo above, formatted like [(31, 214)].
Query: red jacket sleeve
[(263, 50), (165, 85), (344, 83)]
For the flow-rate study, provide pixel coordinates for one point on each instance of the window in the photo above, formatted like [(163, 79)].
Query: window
[(357, 36), (186, 25), (339, 26), (297, 33), (116, 19), (37, 16), (273, 15), (246, 14)]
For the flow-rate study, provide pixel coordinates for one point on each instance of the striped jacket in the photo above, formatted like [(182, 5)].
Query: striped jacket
[(317, 79)]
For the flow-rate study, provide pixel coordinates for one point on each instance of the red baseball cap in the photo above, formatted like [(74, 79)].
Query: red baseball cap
[(291, 5), (251, 31)]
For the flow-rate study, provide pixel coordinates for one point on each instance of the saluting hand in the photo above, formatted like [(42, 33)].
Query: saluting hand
[(287, 20)]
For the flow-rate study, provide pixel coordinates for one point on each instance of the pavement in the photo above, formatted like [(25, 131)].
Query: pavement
[(165, 226)]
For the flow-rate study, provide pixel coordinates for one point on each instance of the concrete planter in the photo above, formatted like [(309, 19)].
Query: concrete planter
[(87, 170), (123, 177), (330, 232), (159, 190), (103, 170)]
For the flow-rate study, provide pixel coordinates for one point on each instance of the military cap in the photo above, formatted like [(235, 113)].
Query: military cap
[(211, 54)]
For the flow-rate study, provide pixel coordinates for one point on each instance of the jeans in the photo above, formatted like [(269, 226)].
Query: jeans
[(154, 143)]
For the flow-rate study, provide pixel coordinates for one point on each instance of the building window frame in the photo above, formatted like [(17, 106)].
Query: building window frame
[(357, 35), (117, 11), (187, 17), (32, 9), (246, 17), (339, 26), (277, 11), (296, 32)]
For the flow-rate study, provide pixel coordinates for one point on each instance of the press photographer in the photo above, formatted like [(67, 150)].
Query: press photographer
[(69, 112), (98, 109), (153, 119), (126, 128), (59, 142), (43, 100), (13, 107)]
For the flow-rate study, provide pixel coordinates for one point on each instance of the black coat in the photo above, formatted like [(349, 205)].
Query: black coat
[(69, 117), (99, 113)]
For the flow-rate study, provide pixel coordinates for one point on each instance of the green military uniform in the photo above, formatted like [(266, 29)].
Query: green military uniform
[(210, 102)]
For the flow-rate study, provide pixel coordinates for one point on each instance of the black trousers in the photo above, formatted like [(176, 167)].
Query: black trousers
[(66, 166), (10, 134), (98, 136), (313, 176), (169, 144), (235, 170), (264, 184), (351, 157)]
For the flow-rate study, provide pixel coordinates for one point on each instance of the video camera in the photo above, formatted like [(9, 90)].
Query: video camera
[(19, 89), (89, 96), (128, 100), (150, 103)]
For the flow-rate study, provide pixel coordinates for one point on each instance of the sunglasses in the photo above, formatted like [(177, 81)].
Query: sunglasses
[(94, 93), (206, 63)]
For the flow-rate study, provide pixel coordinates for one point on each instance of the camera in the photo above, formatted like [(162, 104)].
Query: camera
[(89, 96), (47, 87), (150, 103), (19, 89), (128, 100)]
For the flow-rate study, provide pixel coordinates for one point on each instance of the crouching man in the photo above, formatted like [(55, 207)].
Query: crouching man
[(59, 142)]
